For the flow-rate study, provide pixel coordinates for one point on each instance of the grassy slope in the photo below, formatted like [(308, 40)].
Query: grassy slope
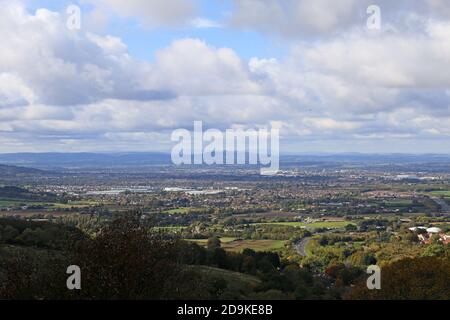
[(329, 224), (236, 245), (231, 276)]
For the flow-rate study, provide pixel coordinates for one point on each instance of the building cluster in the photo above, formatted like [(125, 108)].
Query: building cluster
[(426, 235)]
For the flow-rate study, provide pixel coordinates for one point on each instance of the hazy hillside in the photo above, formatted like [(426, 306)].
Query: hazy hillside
[(75, 160), (11, 171), (140, 159)]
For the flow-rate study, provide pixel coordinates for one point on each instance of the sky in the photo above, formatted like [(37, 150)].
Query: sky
[(136, 70)]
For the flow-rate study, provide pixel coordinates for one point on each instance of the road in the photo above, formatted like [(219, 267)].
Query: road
[(301, 246), (445, 208)]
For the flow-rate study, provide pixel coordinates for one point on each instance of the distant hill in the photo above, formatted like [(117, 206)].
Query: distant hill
[(11, 171), (140, 159), (367, 158), (21, 194)]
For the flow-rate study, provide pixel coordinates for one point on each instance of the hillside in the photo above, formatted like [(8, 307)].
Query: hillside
[(83, 160), (16, 193), (14, 171)]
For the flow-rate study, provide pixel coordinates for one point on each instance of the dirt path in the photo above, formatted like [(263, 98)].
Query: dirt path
[(301, 246), (445, 208)]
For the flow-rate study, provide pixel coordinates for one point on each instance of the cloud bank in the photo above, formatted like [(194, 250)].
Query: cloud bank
[(62, 90)]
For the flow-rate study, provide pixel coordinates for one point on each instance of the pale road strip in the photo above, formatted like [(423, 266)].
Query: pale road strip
[(445, 208), (301, 246)]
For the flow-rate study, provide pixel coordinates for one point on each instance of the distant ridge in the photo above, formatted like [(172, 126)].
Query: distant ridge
[(84, 159), (140, 159), (8, 170), (367, 157)]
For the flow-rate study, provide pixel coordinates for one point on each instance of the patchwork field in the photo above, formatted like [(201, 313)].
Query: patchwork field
[(178, 211), (399, 203), (203, 242), (315, 225), (234, 278), (75, 204), (5, 203), (237, 245), (257, 245), (443, 193), (34, 213)]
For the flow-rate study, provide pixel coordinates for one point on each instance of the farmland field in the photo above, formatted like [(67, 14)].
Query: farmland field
[(178, 211), (25, 202), (75, 204), (203, 242), (325, 224), (399, 203), (257, 245), (235, 278), (237, 245), (441, 193), (8, 203)]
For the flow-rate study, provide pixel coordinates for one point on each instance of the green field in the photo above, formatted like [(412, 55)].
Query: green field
[(235, 279), (440, 193), (170, 228), (399, 203), (203, 242), (257, 245), (237, 245), (74, 204), (5, 203), (11, 203), (178, 211), (309, 247), (325, 224)]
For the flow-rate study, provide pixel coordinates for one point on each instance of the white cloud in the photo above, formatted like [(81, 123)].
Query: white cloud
[(56, 66), (204, 23), (191, 67), (317, 18), (293, 17), (151, 12), (69, 89), (399, 60), (13, 91)]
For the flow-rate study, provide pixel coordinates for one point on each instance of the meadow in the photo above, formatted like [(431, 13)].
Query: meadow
[(314, 225), (440, 193), (238, 245)]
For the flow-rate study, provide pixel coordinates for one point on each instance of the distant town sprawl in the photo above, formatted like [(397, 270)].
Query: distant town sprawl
[(327, 219)]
